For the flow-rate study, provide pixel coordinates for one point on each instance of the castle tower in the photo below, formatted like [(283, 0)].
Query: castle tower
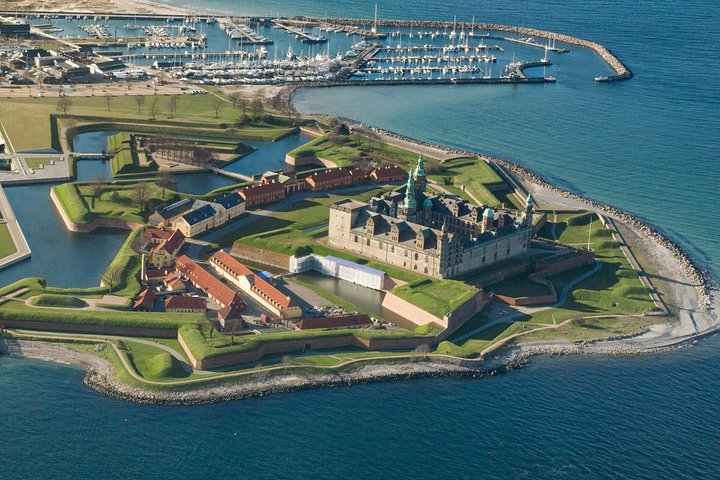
[(528, 221), (420, 176), (409, 206), (487, 220)]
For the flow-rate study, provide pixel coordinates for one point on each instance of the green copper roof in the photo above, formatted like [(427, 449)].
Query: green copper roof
[(530, 200), (410, 202), (420, 169), (488, 213), (427, 203)]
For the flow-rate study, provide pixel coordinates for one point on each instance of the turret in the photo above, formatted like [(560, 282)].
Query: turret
[(528, 221), (487, 220), (407, 212), (420, 175)]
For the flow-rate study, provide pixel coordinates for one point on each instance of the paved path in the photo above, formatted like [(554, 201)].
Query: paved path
[(21, 246), (511, 317)]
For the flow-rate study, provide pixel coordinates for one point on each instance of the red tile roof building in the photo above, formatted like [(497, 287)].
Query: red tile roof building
[(216, 291), (328, 179), (179, 304), (258, 289), (388, 174), (259, 194), (145, 301)]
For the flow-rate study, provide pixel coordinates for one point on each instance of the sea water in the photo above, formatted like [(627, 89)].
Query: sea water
[(648, 145)]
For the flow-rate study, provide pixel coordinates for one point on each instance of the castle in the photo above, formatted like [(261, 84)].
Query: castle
[(440, 236)]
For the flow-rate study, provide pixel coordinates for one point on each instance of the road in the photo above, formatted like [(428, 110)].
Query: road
[(21, 245)]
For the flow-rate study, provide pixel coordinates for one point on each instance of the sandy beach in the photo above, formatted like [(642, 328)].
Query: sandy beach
[(96, 6)]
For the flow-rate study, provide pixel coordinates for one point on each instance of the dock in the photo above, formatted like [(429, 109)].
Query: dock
[(240, 31), (352, 30), (532, 43), (300, 34)]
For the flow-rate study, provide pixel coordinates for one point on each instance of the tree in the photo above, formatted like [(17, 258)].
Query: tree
[(217, 106), (173, 105), (112, 277), (201, 156), (108, 101), (421, 351), (165, 181), (243, 104), (257, 107), (154, 108), (234, 98), (140, 101), (140, 194), (64, 104), (98, 186)]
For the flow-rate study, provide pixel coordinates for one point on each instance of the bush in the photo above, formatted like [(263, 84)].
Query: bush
[(342, 129), (302, 251), (244, 120)]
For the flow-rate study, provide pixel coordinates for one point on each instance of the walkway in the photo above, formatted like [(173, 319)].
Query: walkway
[(513, 316), (22, 249)]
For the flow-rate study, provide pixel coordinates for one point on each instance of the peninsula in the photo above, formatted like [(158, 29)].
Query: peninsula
[(271, 251)]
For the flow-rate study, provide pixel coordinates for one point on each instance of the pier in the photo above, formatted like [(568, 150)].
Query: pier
[(531, 43), (351, 30), (300, 34), (242, 32)]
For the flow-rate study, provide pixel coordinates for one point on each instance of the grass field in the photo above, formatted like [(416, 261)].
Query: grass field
[(343, 149), (17, 113), (475, 176), (7, 246), (60, 301), (438, 297), (615, 290), (116, 201), (153, 363)]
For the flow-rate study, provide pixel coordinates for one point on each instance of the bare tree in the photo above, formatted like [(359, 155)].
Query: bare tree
[(108, 101), (139, 101), (257, 107), (286, 360), (64, 104), (165, 181), (173, 105), (140, 194), (243, 104), (234, 98), (154, 107), (98, 185), (112, 277), (421, 351), (217, 106)]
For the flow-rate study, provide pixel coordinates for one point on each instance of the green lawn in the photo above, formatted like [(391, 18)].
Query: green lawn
[(438, 297), (475, 176), (62, 301), (116, 201), (343, 149), (519, 287), (153, 363), (125, 159), (7, 246), (19, 112)]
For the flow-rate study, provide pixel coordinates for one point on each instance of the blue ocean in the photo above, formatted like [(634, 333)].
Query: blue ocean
[(649, 145)]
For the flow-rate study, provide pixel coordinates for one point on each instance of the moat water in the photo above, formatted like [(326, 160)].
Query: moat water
[(649, 145)]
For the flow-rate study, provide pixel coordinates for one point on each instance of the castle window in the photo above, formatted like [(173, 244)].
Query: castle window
[(356, 238), (367, 242), (392, 248), (416, 256)]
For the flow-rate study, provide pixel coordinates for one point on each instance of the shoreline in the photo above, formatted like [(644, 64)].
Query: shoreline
[(99, 372)]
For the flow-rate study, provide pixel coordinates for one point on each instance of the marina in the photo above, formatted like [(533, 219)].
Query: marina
[(302, 50)]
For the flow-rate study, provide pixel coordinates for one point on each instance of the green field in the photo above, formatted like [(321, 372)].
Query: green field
[(438, 297), (152, 363), (343, 150), (476, 176), (116, 201), (125, 158), (7, 246), (60, 301), (17, 113), (614, 290)]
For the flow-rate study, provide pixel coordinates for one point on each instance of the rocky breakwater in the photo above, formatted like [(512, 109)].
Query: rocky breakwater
[(622, 72), (286, 380)]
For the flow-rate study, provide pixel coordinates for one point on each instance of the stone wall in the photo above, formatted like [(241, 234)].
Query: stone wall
[(259, 255), (304, 161), (410, 312)]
